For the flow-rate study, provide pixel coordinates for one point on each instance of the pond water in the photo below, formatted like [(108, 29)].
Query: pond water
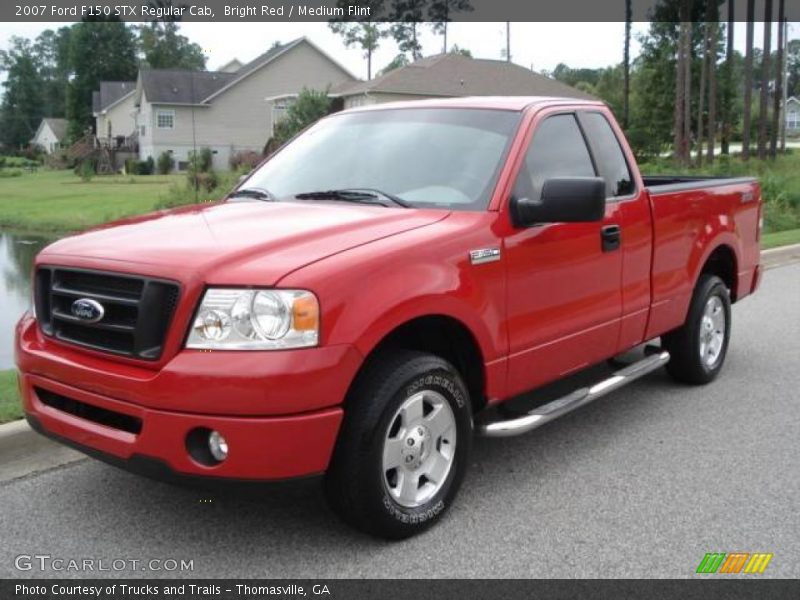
[(17, 251)]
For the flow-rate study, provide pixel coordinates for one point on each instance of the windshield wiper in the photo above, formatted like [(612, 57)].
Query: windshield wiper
[(257, 193), (363, 195)]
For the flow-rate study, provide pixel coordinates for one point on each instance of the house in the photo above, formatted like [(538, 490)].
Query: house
[(792, 116), (448, 75), (50, 135), (227, 111), (231, 66), (114, 112)]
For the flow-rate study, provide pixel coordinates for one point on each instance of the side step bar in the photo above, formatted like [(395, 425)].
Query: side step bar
[(581, 397)]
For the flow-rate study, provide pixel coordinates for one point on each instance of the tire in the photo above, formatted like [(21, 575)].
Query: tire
[(382, 414), (706, 331)]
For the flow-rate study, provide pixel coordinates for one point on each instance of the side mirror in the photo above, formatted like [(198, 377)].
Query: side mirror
[(563, 200)]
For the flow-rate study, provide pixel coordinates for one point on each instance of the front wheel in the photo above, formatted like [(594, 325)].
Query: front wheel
[(403, 447), (698, 348)]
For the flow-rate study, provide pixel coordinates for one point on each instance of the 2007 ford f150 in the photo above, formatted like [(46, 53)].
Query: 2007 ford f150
[(362, 302)]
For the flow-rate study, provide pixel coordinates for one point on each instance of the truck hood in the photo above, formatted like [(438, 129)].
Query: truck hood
[(253, 243)]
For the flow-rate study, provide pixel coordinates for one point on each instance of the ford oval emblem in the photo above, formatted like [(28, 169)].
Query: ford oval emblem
[(87, 310)]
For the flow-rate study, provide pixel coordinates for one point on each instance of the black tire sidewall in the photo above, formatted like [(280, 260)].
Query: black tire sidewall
[(355, 483), (713, 287), (444, 383), (685, 364)]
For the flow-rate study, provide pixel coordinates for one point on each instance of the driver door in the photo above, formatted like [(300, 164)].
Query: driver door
[(564, 284)]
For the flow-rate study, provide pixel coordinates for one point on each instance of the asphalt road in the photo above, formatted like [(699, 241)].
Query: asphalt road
[(641, 483)]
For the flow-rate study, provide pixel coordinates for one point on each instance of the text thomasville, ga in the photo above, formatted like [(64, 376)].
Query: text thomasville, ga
[(300, 10)]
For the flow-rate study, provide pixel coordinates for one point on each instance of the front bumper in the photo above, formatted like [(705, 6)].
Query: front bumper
[(265, 441)]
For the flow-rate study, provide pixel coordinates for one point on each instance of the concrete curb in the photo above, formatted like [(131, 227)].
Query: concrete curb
[(781, 256), (23, 451)]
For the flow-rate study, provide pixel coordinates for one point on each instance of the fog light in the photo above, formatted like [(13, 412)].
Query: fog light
[(217, 446)]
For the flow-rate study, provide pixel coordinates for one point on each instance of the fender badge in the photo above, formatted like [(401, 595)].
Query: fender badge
[(484, 255)]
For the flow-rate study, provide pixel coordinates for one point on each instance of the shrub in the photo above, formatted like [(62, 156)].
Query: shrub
[(205, 182), (86, 170), (310, 106), (245, 161), (201, 160), (5, 173), (165, 163)]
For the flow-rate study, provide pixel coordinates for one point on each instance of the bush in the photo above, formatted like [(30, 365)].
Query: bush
[(33, 152), (86, 170), (245, 161), (201, 161), (140, 167), (5, 173), (205, 182), (310, 106), (182, 194), (165, 163)]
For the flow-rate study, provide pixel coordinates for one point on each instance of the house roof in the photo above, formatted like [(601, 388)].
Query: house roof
[(178, 86), (231, 66), (457, 75), (110, 93), (57, 126)]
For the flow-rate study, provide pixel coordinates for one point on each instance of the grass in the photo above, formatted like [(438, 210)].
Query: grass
[(10, 407), (780, 238), (58, 201)]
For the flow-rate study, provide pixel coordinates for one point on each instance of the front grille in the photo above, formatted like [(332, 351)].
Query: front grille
[(90, 412), (137, 310)]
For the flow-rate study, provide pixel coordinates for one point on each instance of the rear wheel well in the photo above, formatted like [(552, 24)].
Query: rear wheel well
[(446, 338), (722, 263)]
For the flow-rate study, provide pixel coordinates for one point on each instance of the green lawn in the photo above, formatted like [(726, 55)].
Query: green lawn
[(10, 408), (58, 201), (780, 238)]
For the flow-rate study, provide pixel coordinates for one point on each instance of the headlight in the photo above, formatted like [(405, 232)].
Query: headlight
[(231, 319)]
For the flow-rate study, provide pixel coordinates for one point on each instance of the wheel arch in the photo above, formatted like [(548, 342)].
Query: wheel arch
[(442, 335), (722, 262)]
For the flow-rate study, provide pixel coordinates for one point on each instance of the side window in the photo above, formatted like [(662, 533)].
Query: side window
[(556, 150), (610, 159)]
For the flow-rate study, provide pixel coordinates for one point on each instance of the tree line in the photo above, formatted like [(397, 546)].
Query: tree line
[(689, 91), (55, 74)]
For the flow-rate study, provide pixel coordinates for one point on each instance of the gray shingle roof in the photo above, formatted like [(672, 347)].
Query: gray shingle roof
[(110, 92), (457, 75), (59, 127), (177, 86)]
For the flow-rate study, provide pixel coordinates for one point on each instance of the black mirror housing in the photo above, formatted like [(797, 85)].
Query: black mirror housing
[(563, 200)]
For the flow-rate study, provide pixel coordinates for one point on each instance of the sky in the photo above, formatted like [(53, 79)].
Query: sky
[(540, 46)]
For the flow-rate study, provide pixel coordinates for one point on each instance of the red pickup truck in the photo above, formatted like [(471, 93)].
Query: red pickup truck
[(364, 300)]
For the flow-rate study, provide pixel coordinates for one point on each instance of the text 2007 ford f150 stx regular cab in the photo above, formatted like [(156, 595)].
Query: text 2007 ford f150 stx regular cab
[(365, 298)]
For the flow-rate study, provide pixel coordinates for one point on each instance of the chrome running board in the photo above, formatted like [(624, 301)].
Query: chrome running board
[(581, 397)]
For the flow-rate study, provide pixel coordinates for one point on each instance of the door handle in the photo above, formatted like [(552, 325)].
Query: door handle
[(611, 236)]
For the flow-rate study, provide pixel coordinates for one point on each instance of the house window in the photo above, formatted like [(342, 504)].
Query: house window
[(792, 120), (141, 130), (165, 119), (279, 109)]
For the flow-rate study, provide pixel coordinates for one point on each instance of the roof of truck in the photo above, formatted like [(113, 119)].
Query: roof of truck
[(514, 103)]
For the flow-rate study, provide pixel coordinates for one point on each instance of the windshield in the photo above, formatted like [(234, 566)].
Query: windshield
[(447, 158)]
